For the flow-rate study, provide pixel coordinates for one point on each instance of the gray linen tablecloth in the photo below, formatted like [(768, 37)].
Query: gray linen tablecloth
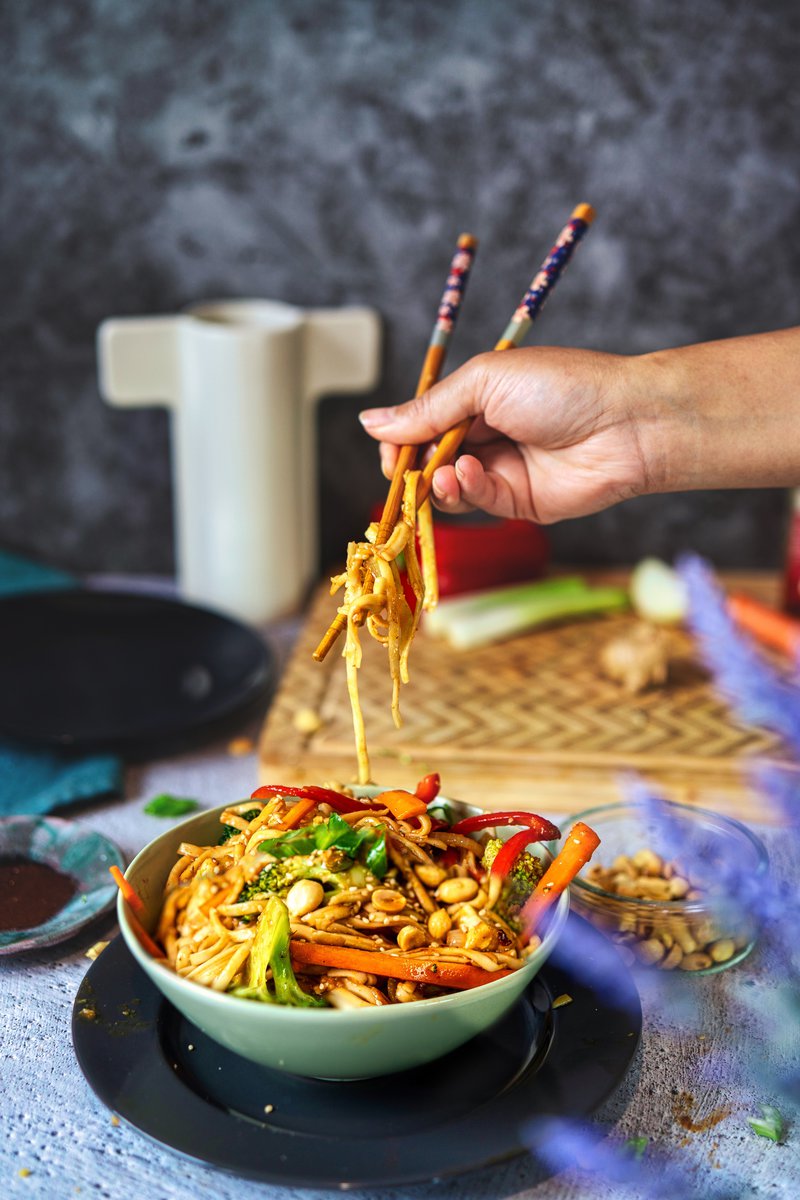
[(709, 1045)]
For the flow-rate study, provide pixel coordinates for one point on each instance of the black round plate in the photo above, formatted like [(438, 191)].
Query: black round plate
[(474, 1107), (115, 670)]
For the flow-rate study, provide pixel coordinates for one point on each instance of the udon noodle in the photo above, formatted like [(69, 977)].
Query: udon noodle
[(382, 909), (374, 597)]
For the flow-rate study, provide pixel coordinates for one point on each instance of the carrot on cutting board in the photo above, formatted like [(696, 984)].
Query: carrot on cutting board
[(395, 966), (768, 625), (578, 847)]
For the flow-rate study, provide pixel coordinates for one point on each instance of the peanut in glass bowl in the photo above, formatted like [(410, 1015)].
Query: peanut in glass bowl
[(714, 925)]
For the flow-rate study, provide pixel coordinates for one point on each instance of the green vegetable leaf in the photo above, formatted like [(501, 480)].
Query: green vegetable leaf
[(636, 1146), (377, 860), (770, 1125), (333, 834), (336, 834), (166, 805), (296, 841)]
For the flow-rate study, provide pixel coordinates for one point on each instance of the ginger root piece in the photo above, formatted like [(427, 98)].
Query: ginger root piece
[(637, 659)]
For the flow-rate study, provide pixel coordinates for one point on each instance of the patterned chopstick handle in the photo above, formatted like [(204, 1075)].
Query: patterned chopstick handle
[(547, 276), (454, 289)]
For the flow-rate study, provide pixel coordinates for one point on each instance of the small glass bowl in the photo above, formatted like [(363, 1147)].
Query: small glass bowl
[(720, 858)]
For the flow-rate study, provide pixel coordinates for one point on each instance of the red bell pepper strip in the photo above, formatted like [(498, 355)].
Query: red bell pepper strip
[(338, 802), (543, 830), (428, 788)]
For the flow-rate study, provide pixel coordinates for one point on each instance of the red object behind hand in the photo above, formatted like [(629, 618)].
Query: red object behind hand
[(472, 554), (485, 554)]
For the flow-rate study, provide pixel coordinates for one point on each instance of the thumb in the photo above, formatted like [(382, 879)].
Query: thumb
[(426, 418)]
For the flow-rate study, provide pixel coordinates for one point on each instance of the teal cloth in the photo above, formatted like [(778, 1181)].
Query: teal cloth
[(35, 781)]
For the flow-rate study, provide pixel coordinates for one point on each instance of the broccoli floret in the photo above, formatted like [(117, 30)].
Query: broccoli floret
[(270, 950), (519, 883), (229, 831), (277, 877)]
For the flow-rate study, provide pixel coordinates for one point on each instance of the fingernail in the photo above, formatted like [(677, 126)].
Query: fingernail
[(376, 418)]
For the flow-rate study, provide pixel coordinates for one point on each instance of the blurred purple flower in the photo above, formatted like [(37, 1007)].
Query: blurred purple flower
[(751, 686)]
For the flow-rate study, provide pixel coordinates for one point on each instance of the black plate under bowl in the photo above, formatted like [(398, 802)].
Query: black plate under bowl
[(476, 1106), (116, 670)]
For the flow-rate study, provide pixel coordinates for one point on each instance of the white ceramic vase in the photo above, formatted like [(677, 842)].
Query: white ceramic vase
[(241, 379)]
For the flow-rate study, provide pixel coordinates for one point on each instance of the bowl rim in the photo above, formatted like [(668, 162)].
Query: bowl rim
[(157, 967), (676, 907)]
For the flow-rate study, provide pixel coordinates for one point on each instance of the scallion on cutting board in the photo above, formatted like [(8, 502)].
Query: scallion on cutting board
[(469, 622)]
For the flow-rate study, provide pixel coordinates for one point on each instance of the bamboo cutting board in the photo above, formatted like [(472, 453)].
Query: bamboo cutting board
[(528, 722)]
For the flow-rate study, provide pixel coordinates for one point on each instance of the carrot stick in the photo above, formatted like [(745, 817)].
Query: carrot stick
[(578, 847), (297, 812), (145, 940), (402, 804), (129, 894), (136, 906), (769, 626), (396, 966)]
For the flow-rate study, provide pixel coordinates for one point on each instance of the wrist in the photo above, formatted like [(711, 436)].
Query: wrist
[(667, 423)]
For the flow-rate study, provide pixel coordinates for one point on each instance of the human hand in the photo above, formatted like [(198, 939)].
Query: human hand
[(555, 433)]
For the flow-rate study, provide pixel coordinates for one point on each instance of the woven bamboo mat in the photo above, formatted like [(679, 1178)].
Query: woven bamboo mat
[(529, 722)]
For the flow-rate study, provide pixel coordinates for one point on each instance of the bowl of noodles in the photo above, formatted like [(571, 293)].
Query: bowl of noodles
[(341, 934)]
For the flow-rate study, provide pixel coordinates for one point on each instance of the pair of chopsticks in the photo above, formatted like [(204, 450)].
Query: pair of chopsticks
[(446, 316), (525, 314)]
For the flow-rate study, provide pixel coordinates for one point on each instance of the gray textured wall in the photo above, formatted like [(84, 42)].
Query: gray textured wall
[(159, 153)]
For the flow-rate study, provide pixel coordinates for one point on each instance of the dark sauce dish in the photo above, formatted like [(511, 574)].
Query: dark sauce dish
[(54, 879)]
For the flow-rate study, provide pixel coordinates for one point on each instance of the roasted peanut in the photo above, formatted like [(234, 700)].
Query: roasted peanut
[(480, 935), (387, 900), (406, 991), (705, 931), (430, 874), (722, 950), (695, 962), (649, 952), (680, 931), (647, 862), (304, 896), (671, 959), (456, 891), (439, 924), (410, 937), (678, 887)]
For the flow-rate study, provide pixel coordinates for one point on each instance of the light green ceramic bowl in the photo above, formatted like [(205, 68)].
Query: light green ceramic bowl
[(321, 1043)]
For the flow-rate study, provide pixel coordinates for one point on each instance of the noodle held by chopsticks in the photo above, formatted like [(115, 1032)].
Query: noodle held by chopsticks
[(373, 589)]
